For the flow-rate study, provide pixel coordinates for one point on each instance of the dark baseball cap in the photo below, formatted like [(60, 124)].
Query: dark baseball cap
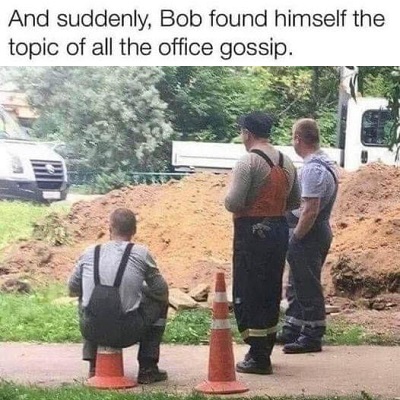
[(257, 122)]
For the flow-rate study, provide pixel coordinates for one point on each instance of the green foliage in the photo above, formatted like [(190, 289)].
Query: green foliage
[(188, 327), (341, 333), (327, 121), (105, 182), (52, 229), (111, 118), (118, 120), (282, 131), (374, 81), (394, 106), (205, 102), (194, 327)]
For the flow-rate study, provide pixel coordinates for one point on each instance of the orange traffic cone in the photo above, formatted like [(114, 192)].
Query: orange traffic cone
[(110, 370), (221, 367)]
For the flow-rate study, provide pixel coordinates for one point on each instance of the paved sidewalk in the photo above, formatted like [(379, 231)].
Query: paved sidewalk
[(335, 371)]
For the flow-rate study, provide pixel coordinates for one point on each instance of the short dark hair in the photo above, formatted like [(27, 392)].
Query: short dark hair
[(259, 123), (123, 222), (307, 129)]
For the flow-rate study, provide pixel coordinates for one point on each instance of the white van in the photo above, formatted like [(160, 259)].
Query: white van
[(362, 137), (28, 170)]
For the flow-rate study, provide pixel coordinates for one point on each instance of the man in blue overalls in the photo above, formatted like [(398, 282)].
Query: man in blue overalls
[(310, 241)]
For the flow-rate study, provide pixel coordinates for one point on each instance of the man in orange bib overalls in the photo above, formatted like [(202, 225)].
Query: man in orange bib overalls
[(263, 187)]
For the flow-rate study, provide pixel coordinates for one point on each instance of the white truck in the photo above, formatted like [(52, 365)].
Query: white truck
[(362, 136), (29, 170)]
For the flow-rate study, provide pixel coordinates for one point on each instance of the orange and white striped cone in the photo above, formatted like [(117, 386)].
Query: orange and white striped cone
[(109, 372), (221, 367)]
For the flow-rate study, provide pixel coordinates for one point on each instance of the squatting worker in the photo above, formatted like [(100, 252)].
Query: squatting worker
[(263, 187), (310, 241), (139, 289)]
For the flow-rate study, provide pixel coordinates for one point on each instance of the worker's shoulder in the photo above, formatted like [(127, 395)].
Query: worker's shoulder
[(89, 251), (288, 163), (319, 163), (141, 251), (246, 158), (286, 158), (140, 248)]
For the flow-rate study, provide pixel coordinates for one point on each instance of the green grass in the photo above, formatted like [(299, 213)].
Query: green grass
[(35, 318), (193, 327), (188, 327), (9, 391), (340, 332), (17, 219)]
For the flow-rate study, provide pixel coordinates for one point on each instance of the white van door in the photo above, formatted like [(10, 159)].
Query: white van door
[(367, 133)]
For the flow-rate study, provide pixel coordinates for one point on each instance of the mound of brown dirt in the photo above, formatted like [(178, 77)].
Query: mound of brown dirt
[(365, 254), (185, 225), (370, 191)]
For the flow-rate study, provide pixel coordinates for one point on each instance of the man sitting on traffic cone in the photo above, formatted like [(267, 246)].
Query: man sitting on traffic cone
[(123, 297)]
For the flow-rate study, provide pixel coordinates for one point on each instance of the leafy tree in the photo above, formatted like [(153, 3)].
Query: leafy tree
[(292, 93), (205, 102), (113, 118), (122, 119), (394, 106)]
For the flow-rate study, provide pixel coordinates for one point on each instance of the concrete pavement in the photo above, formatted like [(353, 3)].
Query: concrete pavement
[(336, 371)]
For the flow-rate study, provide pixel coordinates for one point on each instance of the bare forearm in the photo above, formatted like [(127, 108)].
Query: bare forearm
[(294, 199), (235, 199), (306, 222)]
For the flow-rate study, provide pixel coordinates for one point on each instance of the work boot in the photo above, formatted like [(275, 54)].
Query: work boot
[(92, 368), (286, 337), (299, 347), (152, 374), (251, 366), (247, 356)]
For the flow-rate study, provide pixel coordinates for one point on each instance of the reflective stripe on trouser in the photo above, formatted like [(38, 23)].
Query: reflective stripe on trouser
[(154, 314), (259, 256), (306, 311)]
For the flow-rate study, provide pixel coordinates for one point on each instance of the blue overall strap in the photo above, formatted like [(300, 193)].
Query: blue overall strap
[(327, 167)]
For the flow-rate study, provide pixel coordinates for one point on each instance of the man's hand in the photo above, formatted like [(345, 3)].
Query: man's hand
[(308, 214)]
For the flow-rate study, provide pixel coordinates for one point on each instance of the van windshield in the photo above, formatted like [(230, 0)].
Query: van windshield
[(10, 129)]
